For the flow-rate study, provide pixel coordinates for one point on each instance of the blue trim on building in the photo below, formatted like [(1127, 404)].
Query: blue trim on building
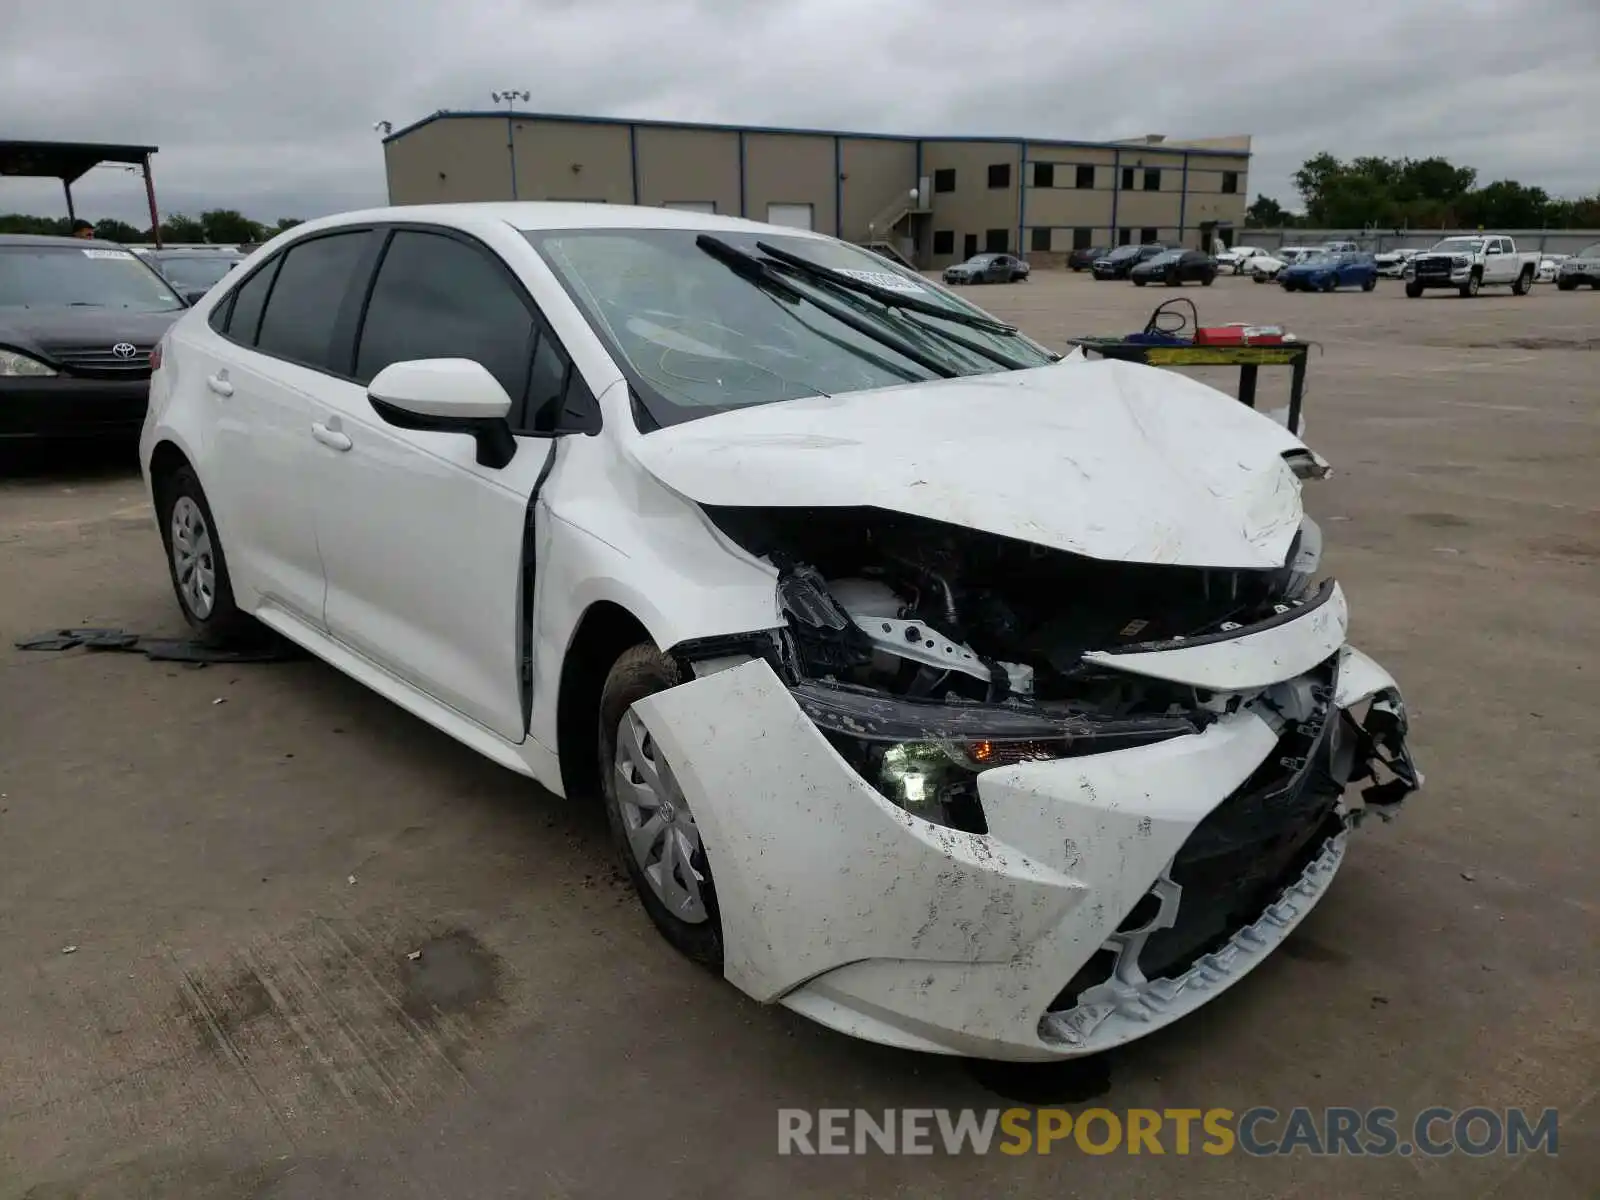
[(741, 174), (633, 159), (444, 114), (1022, 194), (511, 150), (838, 187), (1116, 194), (1183, 197)]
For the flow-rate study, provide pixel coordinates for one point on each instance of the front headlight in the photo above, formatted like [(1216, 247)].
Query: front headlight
[(15, 363), (924, 757)]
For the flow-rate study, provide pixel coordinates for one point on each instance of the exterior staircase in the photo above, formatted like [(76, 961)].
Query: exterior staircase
[(890, 233)]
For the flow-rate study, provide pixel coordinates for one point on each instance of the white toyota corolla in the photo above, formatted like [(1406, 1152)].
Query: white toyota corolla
[(956, 695)]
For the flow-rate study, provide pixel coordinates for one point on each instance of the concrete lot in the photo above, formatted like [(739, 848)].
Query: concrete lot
[(243, 881)]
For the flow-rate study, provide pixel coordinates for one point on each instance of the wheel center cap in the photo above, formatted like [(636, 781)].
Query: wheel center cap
[(668, 813)]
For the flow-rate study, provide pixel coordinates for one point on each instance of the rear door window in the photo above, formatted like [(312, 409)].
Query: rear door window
[(241, 319), (303, 310)]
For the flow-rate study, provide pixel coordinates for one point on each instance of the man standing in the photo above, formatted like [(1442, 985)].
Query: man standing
[(82, 229)]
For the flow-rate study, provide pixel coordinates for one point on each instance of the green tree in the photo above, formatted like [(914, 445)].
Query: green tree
[(1267, 213), (229, 225), (179, 228), (38, 226), (283, 224), (113, 230), (1505, 204)]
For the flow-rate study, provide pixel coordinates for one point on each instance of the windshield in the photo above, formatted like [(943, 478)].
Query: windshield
[(87, 277), (1460, 245), (196, 271), (696, 337), (981, 260), (1166, 256), (1590, 251), (1122, 252), (1318, 258)]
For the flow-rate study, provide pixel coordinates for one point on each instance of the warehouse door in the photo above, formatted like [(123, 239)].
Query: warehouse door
[(795, 216)]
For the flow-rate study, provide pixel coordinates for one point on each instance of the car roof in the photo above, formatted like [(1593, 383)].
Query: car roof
[(40, 239), (534, 215)]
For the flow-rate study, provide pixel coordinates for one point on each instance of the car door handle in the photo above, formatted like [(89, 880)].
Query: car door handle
[(330, 438), (219, 384)]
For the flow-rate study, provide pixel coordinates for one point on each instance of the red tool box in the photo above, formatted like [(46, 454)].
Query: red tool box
[(1241, 334)]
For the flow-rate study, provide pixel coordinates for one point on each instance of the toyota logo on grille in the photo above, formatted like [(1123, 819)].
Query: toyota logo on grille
[(125, 350)]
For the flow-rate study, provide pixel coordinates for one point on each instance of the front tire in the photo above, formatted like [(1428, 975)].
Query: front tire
[(1471, 286), (1566, 285), (651, 823), (1413, 290), (1139, 282), (1368, 284), (1331, 283), (1208, 279), (196, 562)]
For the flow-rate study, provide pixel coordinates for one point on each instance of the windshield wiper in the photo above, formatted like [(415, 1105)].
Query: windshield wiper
[(748, 266), (890, 298)]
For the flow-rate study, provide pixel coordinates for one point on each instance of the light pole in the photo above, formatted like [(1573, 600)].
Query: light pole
[(509, 99)]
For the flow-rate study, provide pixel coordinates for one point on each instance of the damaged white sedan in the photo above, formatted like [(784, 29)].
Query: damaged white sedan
[(952, 694)]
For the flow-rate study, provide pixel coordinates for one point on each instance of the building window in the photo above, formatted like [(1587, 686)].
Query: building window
[(1044, 174), (1152, 179), (1127, 179), (944, 179), (1230, 182), (1124, 237), (969, 245), (1082, 239), (1146, 236), (944, 241), (1000, 175), (996, 241), (1085, 177), (1040, 239)]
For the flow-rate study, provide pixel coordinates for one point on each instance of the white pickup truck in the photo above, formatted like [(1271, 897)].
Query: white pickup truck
[(1469, 263)]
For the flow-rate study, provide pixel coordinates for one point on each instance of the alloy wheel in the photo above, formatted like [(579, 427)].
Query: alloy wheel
[(193, 564), (660, 829)]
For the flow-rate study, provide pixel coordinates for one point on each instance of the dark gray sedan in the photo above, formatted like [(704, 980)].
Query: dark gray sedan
[(987, 268)]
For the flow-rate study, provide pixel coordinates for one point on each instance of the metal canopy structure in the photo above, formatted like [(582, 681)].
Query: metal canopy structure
[(71, 161)]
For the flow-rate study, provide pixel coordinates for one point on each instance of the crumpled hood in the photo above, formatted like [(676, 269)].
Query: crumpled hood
[(1105, 459)]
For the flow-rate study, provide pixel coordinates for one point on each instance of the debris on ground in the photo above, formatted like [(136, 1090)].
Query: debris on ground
[(69, 949), (1469, 876), (186, 650), (413, 955)]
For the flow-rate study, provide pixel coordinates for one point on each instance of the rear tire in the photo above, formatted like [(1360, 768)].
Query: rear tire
[(1368, 284), (1173, 279), (1139, 282), (669, 872), (197, 565), (1208, 279), (1331, 283), (1523, 283)]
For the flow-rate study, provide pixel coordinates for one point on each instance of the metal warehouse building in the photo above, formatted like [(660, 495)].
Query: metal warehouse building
[(933, 200)]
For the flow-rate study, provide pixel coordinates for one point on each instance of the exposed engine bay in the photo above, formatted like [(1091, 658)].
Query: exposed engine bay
[(921, 609)]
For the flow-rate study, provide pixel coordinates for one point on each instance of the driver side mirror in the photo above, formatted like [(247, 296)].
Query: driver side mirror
[(1493, 250), (447, 395)]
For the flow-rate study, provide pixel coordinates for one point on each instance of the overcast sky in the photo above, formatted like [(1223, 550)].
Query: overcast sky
[(269, 108)]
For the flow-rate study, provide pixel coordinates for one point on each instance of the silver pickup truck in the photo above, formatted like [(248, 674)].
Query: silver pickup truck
[(1470, 263)]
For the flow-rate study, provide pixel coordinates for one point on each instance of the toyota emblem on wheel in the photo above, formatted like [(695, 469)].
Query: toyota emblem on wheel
[(124, 350)]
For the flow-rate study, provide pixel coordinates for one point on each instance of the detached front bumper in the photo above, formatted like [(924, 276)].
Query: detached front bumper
[(1036, 940)]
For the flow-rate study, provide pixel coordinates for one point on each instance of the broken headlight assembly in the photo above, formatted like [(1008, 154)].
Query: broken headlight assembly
[(925, 757)]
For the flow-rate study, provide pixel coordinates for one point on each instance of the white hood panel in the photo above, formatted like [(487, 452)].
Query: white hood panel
[(1105, 459)]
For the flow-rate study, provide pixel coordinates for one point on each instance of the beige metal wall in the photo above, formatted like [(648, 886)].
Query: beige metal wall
[(877, 172), (573, 160), (848, 181), (448, 161), (677, 164), (973, 208)]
